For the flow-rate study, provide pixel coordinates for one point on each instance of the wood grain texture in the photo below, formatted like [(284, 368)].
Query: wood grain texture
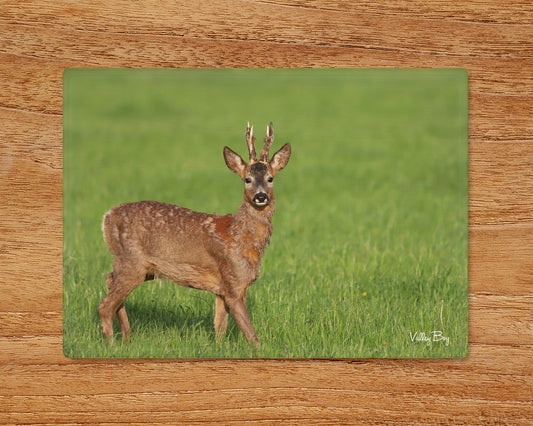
[(491, 39)]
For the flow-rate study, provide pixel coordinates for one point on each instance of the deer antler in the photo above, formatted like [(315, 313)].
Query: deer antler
[(268, 143), (250, 140)]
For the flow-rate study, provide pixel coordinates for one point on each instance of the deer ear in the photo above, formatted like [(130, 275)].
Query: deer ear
[(234, 162), (280, 158)]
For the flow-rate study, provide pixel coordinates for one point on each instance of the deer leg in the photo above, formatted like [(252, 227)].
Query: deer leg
[(240, 313), (121, 312), (221, 317), (122, 286)]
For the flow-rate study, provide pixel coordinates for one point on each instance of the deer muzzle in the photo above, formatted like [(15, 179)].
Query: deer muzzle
[(261, 199)]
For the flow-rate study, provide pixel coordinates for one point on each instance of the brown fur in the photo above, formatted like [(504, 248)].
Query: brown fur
[(219, 254)]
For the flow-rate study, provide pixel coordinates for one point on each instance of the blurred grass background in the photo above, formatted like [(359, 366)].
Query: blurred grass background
[(370, 232)]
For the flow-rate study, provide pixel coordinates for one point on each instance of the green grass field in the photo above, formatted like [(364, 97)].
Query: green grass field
[(370, 242)]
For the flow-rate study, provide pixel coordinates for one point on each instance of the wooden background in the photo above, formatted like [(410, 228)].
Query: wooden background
[(491, 38)]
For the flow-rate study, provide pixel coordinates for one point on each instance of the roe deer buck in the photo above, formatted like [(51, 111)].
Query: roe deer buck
[(220, 254)]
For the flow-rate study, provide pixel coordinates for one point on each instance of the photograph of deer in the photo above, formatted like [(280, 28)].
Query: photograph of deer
[(219, 254), (370, 248)]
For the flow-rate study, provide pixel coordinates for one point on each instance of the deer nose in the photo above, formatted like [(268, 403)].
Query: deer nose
[(261, 199)]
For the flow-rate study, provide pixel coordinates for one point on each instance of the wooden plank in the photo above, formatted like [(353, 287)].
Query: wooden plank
[(499, 375), (31, 229), (501, 320), (518, 12), (40, 142), (243, 20), (279, 404), (45, 351), (294, 414), (31, 85), (501, 188), (79, 47), (36, 323), (498, 116), (501, 261)]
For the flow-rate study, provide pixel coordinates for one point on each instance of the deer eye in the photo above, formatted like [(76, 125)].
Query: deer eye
[(270, 179), (247, 180)]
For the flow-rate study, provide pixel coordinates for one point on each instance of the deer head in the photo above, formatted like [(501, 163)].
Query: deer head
[(258, 175)]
